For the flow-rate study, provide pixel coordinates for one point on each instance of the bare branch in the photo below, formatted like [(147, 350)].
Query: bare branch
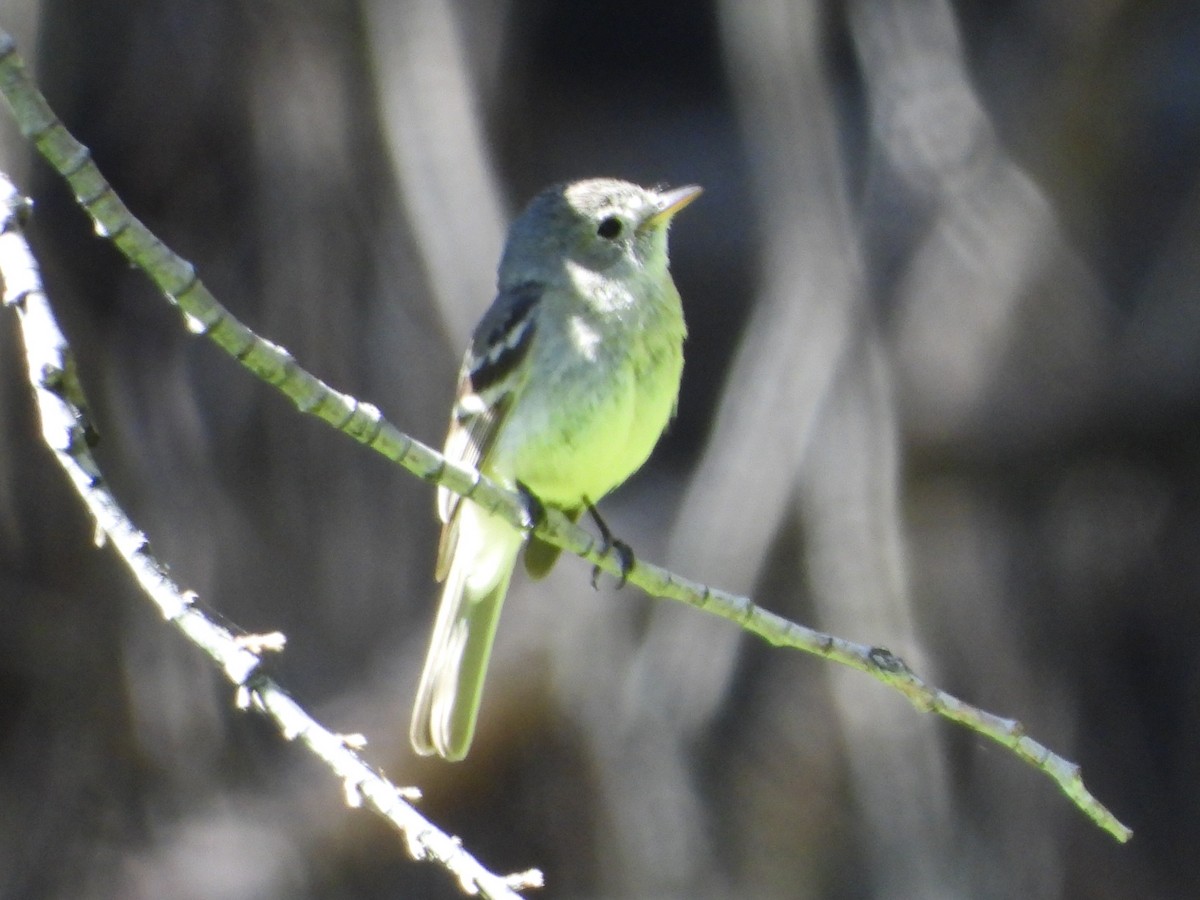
[(64, 427)]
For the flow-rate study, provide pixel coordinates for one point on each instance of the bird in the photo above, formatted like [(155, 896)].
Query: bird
[(570, 379)]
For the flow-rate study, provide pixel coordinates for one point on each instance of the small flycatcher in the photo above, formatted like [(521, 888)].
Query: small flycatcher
[(570, 379)]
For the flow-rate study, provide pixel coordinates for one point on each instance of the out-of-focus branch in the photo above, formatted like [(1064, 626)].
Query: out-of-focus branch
[(810, 397), (362, 421), (65, 430), (437, 149)]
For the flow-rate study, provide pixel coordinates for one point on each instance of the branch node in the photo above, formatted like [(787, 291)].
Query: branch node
[(243, 697), (352, 792), (241, 354), (370, 423), (75, 163), (50, 378), (87, 201), (885, 660), (351, 409), (270, 642), (355, 740), (312, 401), (521, 881), (416, 842)]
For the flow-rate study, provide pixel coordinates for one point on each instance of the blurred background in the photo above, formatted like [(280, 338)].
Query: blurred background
[(941, 395)]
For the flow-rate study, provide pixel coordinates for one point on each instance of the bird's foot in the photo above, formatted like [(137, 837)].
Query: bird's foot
[(610, 545), (535, 510)]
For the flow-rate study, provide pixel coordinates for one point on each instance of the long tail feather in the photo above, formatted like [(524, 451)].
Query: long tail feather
[(451, 687)]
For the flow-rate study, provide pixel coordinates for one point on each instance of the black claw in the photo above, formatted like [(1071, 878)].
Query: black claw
[(625, 552), (535, 510), (610, 545)]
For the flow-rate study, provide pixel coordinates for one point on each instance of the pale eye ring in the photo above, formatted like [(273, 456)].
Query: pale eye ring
[(610, 228)]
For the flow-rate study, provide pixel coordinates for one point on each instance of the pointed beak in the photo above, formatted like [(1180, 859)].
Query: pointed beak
[(669, 203)]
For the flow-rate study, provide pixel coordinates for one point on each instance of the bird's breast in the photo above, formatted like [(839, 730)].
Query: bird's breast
[(603, 392)]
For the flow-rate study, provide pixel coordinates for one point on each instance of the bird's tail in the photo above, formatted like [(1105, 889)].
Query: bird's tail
[(482, 560)]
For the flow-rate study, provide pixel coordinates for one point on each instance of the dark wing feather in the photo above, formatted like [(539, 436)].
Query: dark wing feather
[(485, 392)]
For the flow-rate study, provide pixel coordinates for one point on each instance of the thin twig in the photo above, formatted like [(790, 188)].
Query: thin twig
[(64, 416), (363, 421)]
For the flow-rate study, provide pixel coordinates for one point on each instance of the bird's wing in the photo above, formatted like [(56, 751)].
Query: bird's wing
[(491, 377)]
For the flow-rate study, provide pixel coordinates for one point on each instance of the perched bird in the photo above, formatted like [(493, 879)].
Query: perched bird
[(570, 379)]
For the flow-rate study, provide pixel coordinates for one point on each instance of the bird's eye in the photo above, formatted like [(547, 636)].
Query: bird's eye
[(610, 228)]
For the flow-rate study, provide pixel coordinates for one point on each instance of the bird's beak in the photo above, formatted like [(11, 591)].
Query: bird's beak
[(669, 203)]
